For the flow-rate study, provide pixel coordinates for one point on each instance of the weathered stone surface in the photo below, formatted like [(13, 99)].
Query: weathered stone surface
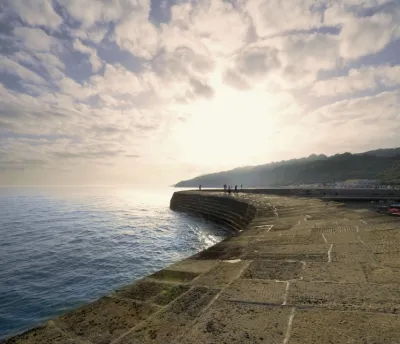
[(336, 327), (174, 276), (346, 296), (222, 274), (173, 321), (152, 291), (274, 270), (104, 320), (194, 265), (43, 335), (255, 291), (238, 323), (334, 272)]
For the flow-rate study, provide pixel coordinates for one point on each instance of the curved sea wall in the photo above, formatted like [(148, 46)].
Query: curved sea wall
[(229, 211)]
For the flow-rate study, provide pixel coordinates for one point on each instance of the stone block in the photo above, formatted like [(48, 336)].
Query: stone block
[(43, 335), (173, 321), (273, 270), (152, 291), (334, 272), (346, 296), (222, 274), (194, 265), (236, 323), (379, 273), (104, 320), (255, 291), (337, 327), (174, 276)]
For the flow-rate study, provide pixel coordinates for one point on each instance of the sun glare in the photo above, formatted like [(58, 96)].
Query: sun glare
[(233, 125)]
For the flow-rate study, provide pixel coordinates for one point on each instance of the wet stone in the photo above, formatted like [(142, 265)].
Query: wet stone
[(194, 265), (221, 253), (104, 320), (152, 291), (174, 276)]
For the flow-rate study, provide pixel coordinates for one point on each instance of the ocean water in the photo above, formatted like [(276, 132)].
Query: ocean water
[(61, 247)]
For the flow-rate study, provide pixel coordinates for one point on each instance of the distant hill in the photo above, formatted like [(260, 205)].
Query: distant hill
[(381, 164)]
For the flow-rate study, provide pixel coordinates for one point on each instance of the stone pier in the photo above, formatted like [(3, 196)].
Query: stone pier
[(296, 270)]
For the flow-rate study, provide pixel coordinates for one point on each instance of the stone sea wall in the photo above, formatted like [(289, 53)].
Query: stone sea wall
[(231, 212)]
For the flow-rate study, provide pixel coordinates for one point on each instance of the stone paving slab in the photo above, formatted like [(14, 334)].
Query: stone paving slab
[(104, 320), (346, 296), (194, 265), (152, 291), (222, 274), (313, 326), (173, 321), (239, 323), (338, 272), (255, 291), (274, 270), (44, 335), (380, 273)]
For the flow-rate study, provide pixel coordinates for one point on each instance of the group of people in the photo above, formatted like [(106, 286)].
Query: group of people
[(227, 188)]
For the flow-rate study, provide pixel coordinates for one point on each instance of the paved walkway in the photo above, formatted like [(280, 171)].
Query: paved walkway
[(304, 271)]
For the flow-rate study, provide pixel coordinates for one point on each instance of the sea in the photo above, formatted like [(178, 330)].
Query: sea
[(62, 247)]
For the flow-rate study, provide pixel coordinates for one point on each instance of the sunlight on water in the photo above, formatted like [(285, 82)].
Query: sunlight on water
[(62, 247)]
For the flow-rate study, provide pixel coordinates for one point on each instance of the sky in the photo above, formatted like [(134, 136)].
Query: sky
[(146, 92)]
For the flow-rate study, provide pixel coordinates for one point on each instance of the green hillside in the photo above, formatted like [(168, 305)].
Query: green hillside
[(381, 164)]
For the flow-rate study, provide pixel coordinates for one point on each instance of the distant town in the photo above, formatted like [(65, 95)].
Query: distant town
[(352, 184)]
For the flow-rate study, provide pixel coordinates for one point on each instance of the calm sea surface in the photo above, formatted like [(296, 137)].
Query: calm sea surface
[(62, 247)]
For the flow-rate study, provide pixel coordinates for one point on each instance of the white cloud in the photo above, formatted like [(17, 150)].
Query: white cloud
[(89, 12), (34, 39), (361, 36), (220, 79), (141, 40), (362, 79), (9, 66), (276, 16), (36, 12), (93, 58)]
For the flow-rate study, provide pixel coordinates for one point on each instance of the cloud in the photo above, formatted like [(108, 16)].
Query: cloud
[(276, 16), (364, 35), (34, 39), (36, 12), (9, 66), (93, 58), (89, 86), (358, 80)]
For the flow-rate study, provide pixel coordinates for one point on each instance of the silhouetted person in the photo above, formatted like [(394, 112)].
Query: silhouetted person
[(224, 187), (241, 186), (236, 188), (200, 187), (229, 189)]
